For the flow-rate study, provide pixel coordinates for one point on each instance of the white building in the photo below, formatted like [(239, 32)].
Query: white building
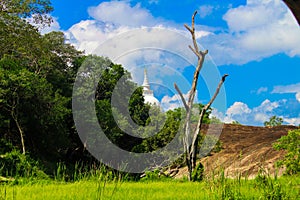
[(147, 92)]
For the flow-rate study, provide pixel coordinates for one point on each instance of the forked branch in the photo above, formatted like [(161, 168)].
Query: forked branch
[(191, 148), (203, 111), (182, 97)]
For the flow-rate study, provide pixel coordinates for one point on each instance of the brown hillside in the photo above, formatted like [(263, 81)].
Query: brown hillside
[(246, 149)]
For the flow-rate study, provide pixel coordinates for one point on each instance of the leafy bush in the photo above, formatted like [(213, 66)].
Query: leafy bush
[(272, 188), (197, 174), (290, 143), (15, 164), (274, 121), (5, 146), (154, 175)]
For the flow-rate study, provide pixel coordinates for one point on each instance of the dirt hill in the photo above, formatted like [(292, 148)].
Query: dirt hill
[(246, 150)]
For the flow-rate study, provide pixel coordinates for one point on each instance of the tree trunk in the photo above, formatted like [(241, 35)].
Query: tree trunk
[(20, 131), (190, 141)]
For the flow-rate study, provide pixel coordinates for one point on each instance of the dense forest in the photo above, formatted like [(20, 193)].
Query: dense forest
[(37, 73)]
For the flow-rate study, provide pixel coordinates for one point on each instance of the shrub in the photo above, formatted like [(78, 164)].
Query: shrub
[(272, 188), (197, 174), (274, 121), (5, 146), (290, 143), (16, 164)]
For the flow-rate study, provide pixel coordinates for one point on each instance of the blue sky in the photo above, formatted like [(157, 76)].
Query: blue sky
[(256, 42)]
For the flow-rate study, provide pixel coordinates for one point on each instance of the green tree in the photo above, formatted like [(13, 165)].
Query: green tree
[(37, 74), (236, 122), (37, 9), (30, 108), (290, 143), (274, 121)]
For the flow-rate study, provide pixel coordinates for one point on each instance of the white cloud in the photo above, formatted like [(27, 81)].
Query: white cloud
[(205, 10), (293, 121), (126, 36), (266, 106), (283, 89), (89, 34), (169, 103), (261, 117), (298, 96), (256, 30), (121, 13), (238, 108), (261, 90), (54, 26), (241, 112)]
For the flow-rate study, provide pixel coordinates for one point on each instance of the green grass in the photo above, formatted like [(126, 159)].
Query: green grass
[(220, 188)]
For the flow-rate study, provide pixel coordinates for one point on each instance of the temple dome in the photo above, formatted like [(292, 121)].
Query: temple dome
[(147, 92), (151, 100)]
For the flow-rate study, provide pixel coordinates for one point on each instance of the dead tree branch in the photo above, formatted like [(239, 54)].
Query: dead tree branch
[(191, 143), (182, 97)]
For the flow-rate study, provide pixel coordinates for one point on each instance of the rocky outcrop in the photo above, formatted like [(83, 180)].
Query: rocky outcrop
[(246, 150)]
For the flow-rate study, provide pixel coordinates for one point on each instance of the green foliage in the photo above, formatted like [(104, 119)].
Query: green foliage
[(154, 176), (196, 110), (226, 189), (24, 92), (274, 121), (197, 174), (164, 127), (36, 79), (290, 143), (236, 122), (14, 164), (272, 188), (29, 8), (101, 188), (5, 146)]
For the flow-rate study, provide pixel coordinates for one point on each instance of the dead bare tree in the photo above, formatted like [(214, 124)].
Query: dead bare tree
[(190, 140)]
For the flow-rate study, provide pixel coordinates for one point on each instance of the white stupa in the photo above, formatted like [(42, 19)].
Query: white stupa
[(148, 93)]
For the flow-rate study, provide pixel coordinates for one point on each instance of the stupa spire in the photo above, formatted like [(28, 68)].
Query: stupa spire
[(147, 92), (146, 84)]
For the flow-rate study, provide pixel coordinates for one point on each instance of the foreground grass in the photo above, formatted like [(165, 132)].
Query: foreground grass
[(284, 188)]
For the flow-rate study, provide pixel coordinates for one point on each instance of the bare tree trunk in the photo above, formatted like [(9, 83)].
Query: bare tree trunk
[(14, 114), (20, 131), (191, 141)]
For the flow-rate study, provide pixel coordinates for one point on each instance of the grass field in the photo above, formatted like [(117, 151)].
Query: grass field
[(260, 188)]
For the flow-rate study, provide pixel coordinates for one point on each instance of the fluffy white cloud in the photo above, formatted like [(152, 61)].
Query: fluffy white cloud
[(256, 30), (87, 35), (238, 108), (125, 37), (171, 102), (121, 13), (240, 112), (267, 106), (283, 89), (294, 121)]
